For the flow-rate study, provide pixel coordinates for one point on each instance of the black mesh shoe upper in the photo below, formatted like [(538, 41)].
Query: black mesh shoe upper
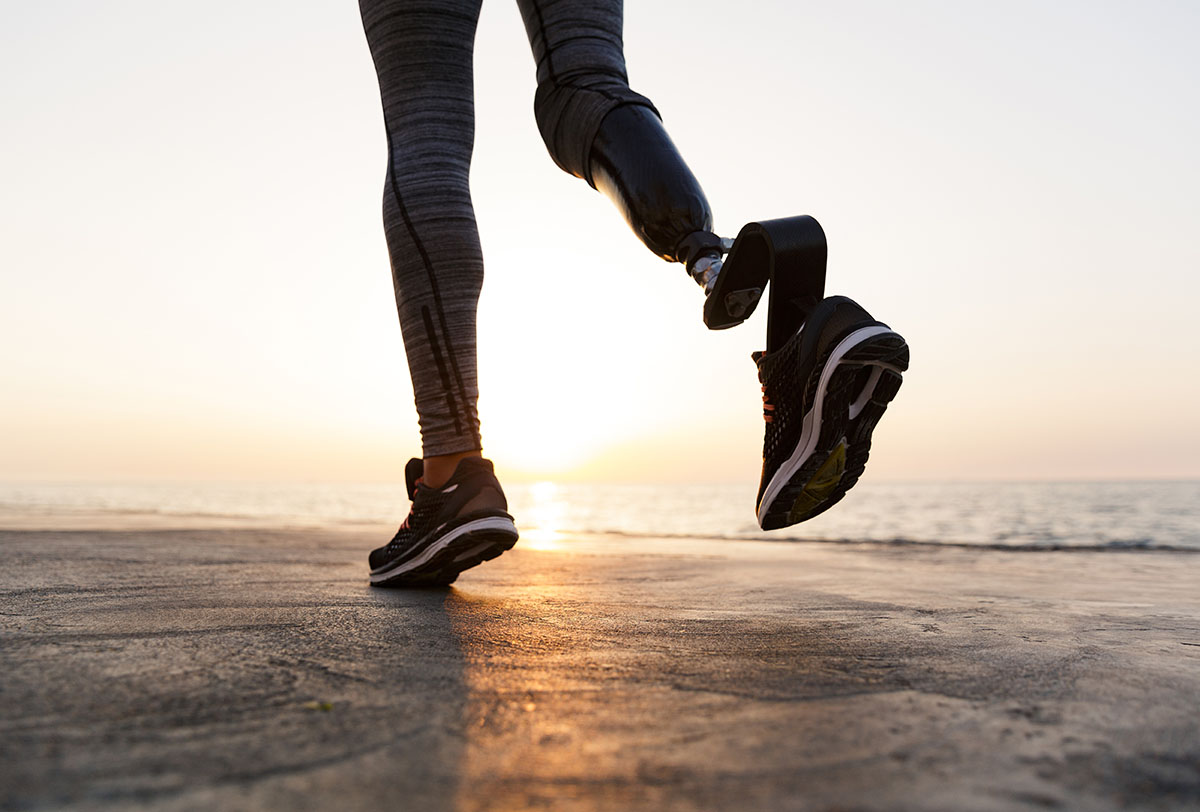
[(471, 491), (790, 377)]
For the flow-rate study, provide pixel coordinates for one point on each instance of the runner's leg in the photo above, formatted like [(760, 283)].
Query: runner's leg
[(423, 57)]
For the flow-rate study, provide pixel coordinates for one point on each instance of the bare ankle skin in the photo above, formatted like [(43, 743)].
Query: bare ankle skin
[(440, 468)]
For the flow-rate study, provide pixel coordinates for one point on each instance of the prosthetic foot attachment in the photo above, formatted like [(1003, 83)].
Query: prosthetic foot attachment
[(790, 254)]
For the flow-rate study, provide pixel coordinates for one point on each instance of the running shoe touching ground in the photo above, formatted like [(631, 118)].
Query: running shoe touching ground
[(449, 529), (823, 392)]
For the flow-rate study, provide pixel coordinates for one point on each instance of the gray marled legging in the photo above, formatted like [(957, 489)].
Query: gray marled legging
[(423, 56)]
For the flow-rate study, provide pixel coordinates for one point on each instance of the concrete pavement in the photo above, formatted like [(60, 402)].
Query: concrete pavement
[(254, 668)]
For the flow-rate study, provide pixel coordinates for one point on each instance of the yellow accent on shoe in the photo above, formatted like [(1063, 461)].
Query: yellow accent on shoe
[(822, 483)]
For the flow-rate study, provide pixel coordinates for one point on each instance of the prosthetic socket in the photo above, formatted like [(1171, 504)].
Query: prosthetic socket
[(634, 162)]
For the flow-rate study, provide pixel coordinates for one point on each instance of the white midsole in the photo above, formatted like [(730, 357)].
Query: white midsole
[(486, 523), (811, 424)]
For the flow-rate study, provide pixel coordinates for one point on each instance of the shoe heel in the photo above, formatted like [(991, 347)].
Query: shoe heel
[(886, 350)]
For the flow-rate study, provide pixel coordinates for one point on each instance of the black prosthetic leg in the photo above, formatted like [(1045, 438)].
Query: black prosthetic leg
[(790, 253)]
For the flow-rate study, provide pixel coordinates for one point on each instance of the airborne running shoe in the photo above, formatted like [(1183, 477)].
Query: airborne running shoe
[(449, 529), (823, 392)]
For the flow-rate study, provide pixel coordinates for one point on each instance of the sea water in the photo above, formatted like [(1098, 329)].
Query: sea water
[(1017, 515)]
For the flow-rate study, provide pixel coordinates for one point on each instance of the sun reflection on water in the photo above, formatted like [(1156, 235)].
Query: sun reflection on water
[(542, 520)]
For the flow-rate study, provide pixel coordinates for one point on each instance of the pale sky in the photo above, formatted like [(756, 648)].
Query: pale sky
[(195, 281)]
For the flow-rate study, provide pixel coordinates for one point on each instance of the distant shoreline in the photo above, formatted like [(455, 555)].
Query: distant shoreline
[(1107, 516)]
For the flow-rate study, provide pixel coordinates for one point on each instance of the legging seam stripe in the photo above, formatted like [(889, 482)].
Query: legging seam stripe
[(545, 40), (438, 361)]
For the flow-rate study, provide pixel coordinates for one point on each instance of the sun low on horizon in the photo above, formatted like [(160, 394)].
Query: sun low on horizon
[(196, 285)]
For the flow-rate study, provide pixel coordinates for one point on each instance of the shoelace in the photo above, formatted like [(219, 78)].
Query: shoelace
[(408, 518), (768, 406)]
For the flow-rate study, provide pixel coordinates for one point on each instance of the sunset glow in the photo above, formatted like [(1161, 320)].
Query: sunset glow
[(197, 286)]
